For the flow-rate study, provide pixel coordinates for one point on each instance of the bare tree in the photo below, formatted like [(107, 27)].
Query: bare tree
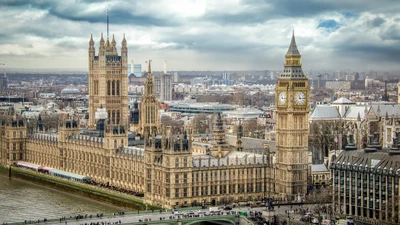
[(200, 123), (176, 126), (50, 122), (252, 129), (321, 199)]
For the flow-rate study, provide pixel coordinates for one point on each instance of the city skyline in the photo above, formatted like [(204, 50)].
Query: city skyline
[(204, 35)]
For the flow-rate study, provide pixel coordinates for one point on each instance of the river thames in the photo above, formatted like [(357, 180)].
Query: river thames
[(22, 200)]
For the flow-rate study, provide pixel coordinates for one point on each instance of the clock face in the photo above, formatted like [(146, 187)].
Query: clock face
[(300, 98), (282, 98)]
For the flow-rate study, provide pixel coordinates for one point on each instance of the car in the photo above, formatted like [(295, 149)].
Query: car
[(227, 207), (175, 212), (201, 212)]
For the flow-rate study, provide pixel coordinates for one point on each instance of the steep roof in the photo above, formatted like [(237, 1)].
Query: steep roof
[(325, 112), (353, 111), (343, 100), (389, 109), (293, 47), (315, 168)]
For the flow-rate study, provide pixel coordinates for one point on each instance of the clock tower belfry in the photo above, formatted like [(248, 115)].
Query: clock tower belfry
[(292, 108)]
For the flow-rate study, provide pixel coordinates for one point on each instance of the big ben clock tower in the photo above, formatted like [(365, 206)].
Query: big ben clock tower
[(292, 107)]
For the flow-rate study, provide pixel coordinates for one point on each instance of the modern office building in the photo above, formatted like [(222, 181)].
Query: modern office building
[(3, 82), (163, 86), (137, 70), (366, 182)]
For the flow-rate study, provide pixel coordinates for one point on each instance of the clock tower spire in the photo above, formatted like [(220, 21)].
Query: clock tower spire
[(292, 107)]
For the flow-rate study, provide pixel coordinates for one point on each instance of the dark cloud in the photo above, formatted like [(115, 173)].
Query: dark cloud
[(368, 52), (376, 22), (392, 33), (122, 13), (260, 11)]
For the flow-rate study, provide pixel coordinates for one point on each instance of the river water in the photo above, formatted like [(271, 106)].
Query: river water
[(22, 200)]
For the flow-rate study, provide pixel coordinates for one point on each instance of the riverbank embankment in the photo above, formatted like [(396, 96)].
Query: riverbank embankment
[(131, 202)]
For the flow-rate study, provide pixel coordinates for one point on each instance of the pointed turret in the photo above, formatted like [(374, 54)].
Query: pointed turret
[(149, 69), (91, 50), (101, 46), (123, 41), (101, 40), (113, 43), (91, 42), (293, 47), (107, 42)]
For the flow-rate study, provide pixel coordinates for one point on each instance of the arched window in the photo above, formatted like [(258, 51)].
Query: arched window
[(115, 143), (113, 117), (118, 87), (118, 116), (323, 177), (185, 162), (113, 88), (176, 163), (108, 88)]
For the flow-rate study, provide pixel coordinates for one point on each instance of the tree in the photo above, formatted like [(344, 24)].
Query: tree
[(200, 123), (322, 201), (322, 137), (50, 122), (252, 129), (176, 126)]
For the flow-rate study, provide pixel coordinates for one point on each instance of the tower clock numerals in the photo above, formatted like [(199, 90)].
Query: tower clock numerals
[(300, 98), (282, 98)]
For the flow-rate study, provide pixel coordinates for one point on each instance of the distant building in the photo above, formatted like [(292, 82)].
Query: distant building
[(226, 76), (163, 87), (129, 69), (137, 70), (176, 77), (4, 82)]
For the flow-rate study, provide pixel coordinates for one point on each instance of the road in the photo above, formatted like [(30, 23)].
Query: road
[(132, 217)]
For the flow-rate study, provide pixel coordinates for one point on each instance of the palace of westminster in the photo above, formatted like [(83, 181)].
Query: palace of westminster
[(165, 167), (176, 169)]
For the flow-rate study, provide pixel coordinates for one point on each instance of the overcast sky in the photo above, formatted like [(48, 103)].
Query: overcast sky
[(205, 34)]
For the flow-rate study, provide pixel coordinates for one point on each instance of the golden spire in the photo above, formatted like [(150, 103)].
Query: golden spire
[(113, 41)]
